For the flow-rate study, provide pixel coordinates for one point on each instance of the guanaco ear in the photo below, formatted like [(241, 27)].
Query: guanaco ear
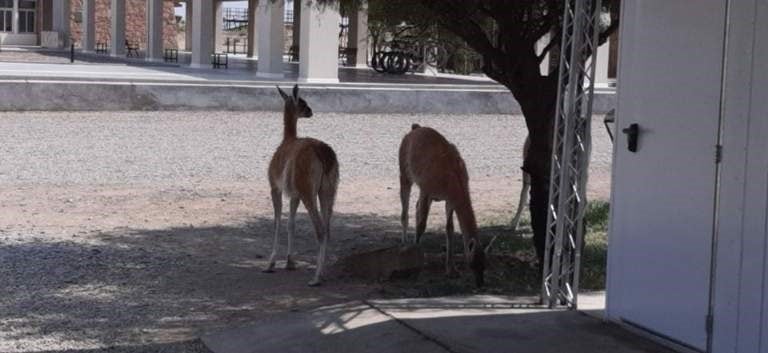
[(282, 93), (296, 91)]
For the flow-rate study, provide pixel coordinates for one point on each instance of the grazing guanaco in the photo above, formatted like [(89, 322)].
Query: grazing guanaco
[(306, 170), (523, 202), (524, 191), (435, 165)]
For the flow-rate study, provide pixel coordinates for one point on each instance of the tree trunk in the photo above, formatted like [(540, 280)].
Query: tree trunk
[(538, 103), (537, 96)]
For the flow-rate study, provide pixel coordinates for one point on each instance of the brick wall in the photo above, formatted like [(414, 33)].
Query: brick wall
[(135, 22)]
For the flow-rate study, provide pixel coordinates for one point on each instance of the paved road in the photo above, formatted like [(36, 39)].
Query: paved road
[(188, 147)]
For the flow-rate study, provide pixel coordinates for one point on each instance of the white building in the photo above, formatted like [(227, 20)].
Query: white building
[(318, 28), (689, 224)]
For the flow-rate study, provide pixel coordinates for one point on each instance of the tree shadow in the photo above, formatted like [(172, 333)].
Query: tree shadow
[(158, 285)]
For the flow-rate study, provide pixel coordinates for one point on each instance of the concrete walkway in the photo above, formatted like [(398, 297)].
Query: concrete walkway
[(100, 83), (482, 324)]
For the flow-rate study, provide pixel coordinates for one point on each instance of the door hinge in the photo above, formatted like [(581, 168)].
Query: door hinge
[(718, 153), (710, 321)]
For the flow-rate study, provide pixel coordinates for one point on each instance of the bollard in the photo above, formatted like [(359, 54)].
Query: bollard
[(72, 53)]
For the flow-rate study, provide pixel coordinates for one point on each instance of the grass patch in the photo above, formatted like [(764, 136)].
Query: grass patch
[(512, 266), (594, 254)]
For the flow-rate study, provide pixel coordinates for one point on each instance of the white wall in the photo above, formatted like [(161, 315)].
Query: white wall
[(741, 280)]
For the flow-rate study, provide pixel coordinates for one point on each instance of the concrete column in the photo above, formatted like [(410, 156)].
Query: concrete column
[(319, 43), (188, 26), (61, 17), (202, 33), (89, 25), (117, 30), (155, 30), (296, 23), (252, 32), (218, 24), (601, 65), (358, 36), (15, 20), (269, 18)]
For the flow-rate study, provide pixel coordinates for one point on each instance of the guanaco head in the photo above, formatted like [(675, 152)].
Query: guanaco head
[(476, 260), (294, 104)]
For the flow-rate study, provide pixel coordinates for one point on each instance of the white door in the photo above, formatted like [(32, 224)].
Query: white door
[(664, 193)]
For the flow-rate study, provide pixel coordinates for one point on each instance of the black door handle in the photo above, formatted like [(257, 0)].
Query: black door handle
[(632, 133)]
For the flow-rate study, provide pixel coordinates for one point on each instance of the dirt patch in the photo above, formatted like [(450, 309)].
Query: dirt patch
[(85, 267)]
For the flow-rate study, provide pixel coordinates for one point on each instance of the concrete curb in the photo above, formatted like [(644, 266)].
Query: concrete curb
[(67, 95)]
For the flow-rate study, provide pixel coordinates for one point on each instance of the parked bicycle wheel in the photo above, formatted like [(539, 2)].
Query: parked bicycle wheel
[(378, 62), (397, 63)]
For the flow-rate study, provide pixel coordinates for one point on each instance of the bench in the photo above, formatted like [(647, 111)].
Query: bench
[(347, 56), (102, 48), (171, 55), (219, 60), (131, 49)]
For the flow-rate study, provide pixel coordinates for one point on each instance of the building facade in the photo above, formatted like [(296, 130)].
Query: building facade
[(20, 22), (135, 22), (23, 22)]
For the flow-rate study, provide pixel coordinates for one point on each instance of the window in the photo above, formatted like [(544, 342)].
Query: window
[(27, 4), (26, 21), (27, 16), (6, 19), (6, 15)]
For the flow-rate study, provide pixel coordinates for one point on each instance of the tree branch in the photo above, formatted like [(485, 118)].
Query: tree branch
[(603, 36)]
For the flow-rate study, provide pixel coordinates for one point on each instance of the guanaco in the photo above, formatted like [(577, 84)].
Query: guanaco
[(306, 170), (435, 165), (523, 201), (526, 186)]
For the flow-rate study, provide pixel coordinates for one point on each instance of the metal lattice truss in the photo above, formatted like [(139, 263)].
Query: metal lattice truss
[(570, 155)]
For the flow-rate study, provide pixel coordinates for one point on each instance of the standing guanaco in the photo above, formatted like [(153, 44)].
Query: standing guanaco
[(306, 170), (435, 165)]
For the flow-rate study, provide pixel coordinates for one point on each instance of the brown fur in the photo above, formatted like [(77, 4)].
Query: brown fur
[(307, 171), (435, 165)]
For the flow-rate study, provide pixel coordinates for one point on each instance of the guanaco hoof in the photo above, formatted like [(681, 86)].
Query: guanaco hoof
[(315, 283), (290, 265), (269, 269)]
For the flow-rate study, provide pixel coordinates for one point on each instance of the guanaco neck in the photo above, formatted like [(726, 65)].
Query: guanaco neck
[(289, 122)]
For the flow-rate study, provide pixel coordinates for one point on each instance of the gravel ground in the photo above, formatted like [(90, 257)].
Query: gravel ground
[(136, 232), (185, 148)]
